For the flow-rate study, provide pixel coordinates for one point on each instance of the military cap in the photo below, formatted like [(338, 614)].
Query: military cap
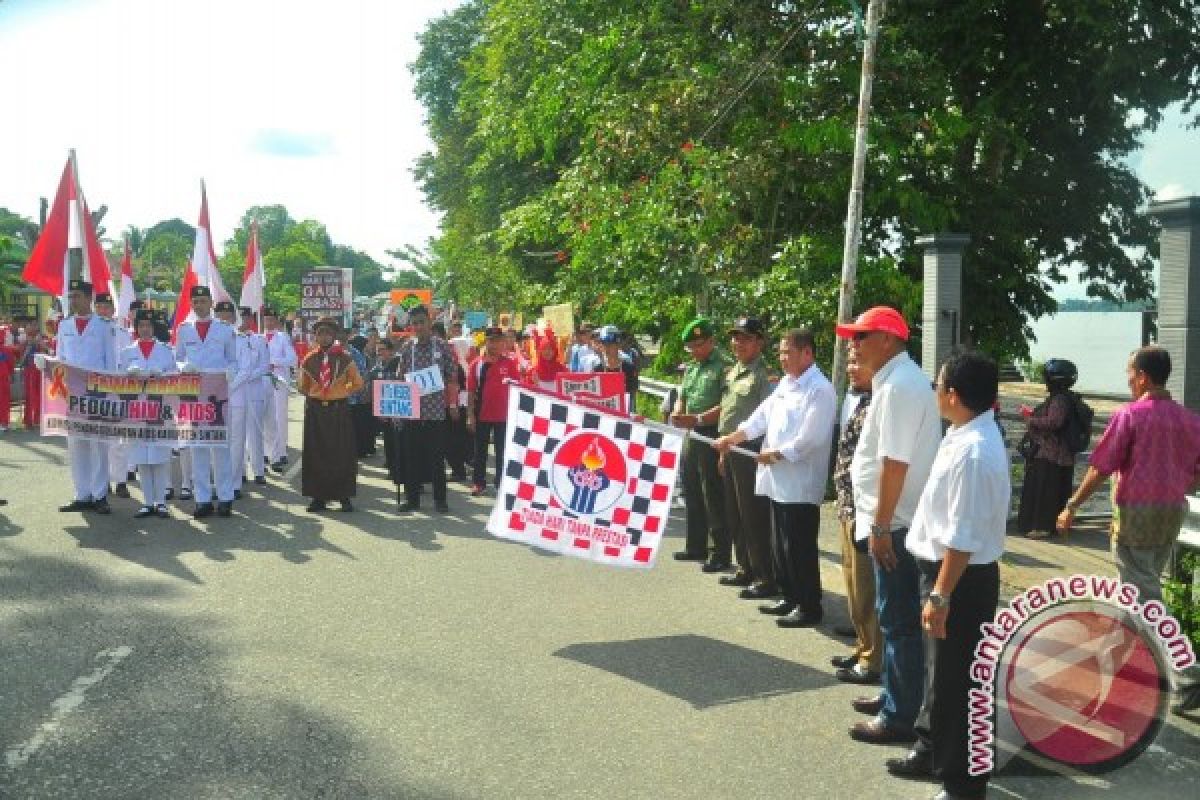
[(697, 330)]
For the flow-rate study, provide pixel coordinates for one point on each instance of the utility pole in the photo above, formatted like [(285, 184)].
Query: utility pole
[(875, 13)]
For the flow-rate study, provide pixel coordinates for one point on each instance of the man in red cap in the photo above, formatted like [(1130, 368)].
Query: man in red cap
[(891, 464)]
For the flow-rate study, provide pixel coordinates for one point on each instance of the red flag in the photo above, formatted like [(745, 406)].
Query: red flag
[(204, 257), (183, 306), (127, 295), (48, 263)]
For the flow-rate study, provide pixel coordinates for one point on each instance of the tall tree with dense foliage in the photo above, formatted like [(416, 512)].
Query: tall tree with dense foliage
[(649, 158)]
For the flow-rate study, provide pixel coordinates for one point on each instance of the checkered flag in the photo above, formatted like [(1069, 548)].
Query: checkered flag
[(583, 482)]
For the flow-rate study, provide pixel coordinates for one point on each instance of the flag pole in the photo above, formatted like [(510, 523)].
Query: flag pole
[(875, 12), (77, 257)]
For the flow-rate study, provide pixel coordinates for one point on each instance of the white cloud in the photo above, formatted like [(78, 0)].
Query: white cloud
[(303, 103)]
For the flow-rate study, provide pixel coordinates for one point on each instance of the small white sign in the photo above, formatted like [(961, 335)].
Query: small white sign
[(429, 379)]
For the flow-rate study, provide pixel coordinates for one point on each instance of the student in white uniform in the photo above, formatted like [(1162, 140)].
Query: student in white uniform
[(207, 345), (283, 359), (149, 357), (88, 341), (247, 399), (118, 452)]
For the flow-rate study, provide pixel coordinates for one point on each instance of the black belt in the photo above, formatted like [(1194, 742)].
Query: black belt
[(315, 401)]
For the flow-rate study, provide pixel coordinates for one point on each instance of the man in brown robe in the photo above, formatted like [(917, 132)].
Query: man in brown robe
[(327, 378)]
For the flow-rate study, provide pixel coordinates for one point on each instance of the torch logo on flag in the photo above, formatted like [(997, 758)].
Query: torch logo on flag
[(589, 473)]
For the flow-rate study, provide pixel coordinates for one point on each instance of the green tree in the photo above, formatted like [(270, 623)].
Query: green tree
[(648, 159)]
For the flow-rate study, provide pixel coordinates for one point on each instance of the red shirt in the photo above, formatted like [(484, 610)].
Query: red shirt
[(491, 404)]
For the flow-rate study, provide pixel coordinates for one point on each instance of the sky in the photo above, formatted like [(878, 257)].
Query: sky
[(308, 104)]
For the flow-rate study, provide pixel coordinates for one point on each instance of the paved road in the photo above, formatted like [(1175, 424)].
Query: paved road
[(285, 655)]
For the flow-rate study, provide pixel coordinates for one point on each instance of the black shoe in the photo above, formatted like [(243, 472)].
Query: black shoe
[(800, 619), (260, 480), (684, 555), (77, 505), (1189, 700), (203, 510), (406, 508), (122, 490), (346, 506), (162, 512), (143, 512), (843, 662), (868, 705), (442, 507), (737, 579), (185, 494), (283, 461), (713, 565), (101, 506), (237, 494), (316, 505), (759, 591), (858, 675), (224, 509), (130, 476), (782, 608), (170, 495), (878, 732), (266, 461), (845, 631), (277, 467), (916, 766)]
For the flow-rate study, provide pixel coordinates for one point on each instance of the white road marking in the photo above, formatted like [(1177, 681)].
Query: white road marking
[(65, 705)]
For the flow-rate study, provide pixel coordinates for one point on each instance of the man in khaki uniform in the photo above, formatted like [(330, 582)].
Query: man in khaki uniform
[(747, 515), (698, 409)]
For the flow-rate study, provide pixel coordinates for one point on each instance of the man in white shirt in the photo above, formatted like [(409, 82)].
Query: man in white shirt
[(957, 537), (796, 423), (118, 452), (899, 440), (88, 341), (208, 344), (283, 358), (247, 398)]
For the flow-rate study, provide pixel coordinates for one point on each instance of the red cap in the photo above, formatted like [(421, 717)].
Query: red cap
[(879, 318)]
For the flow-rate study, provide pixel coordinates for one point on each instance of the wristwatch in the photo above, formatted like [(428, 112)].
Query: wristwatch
[(938, 601), (879, 530)]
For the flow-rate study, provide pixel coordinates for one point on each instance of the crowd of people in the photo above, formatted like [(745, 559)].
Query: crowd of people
[(919, 468)]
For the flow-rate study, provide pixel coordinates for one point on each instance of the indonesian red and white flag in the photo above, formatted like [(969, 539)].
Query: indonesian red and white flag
[(68, 227), (204, 258), (254, 280), (126, 295), (183, 306)]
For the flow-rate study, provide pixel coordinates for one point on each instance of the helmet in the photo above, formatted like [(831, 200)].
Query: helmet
[(1060, 373)]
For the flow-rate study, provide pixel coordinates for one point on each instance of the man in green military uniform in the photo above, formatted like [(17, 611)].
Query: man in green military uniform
[(698, 409), (747, 515)]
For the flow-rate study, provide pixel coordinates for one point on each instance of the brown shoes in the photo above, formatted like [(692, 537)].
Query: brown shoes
[(868, 705), (878, 732)]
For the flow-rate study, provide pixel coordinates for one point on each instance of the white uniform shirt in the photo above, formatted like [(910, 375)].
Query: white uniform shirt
[(217, 351), (281, 351), (902, 424), (253, 362), (95, 348), (965, 503), (161, 360), (797, 420)]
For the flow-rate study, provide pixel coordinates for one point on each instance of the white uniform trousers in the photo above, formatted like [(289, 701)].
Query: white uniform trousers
[(247, 438), (89, 468), (185, 468), (118, 462), (275, 423), (155, 480), (207, 463)]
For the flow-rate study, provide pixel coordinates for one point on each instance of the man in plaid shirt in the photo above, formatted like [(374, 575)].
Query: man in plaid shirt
[(425, 438)]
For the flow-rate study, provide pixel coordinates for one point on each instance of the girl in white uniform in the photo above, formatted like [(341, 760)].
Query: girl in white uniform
[(150, 357)]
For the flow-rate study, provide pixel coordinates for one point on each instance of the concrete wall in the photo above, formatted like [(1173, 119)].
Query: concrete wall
[(1099, 342)]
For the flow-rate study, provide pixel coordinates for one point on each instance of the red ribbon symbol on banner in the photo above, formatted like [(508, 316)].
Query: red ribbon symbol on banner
[(59, 386)]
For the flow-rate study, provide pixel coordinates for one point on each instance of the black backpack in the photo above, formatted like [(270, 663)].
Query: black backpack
[(1077, 432)]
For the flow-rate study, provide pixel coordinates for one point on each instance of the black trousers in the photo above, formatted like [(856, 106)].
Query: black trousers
[(459, 445), (485, 432), (943, 726), (365, 428), (748, 519), (705, 498), (794, 553), (425, 449)]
